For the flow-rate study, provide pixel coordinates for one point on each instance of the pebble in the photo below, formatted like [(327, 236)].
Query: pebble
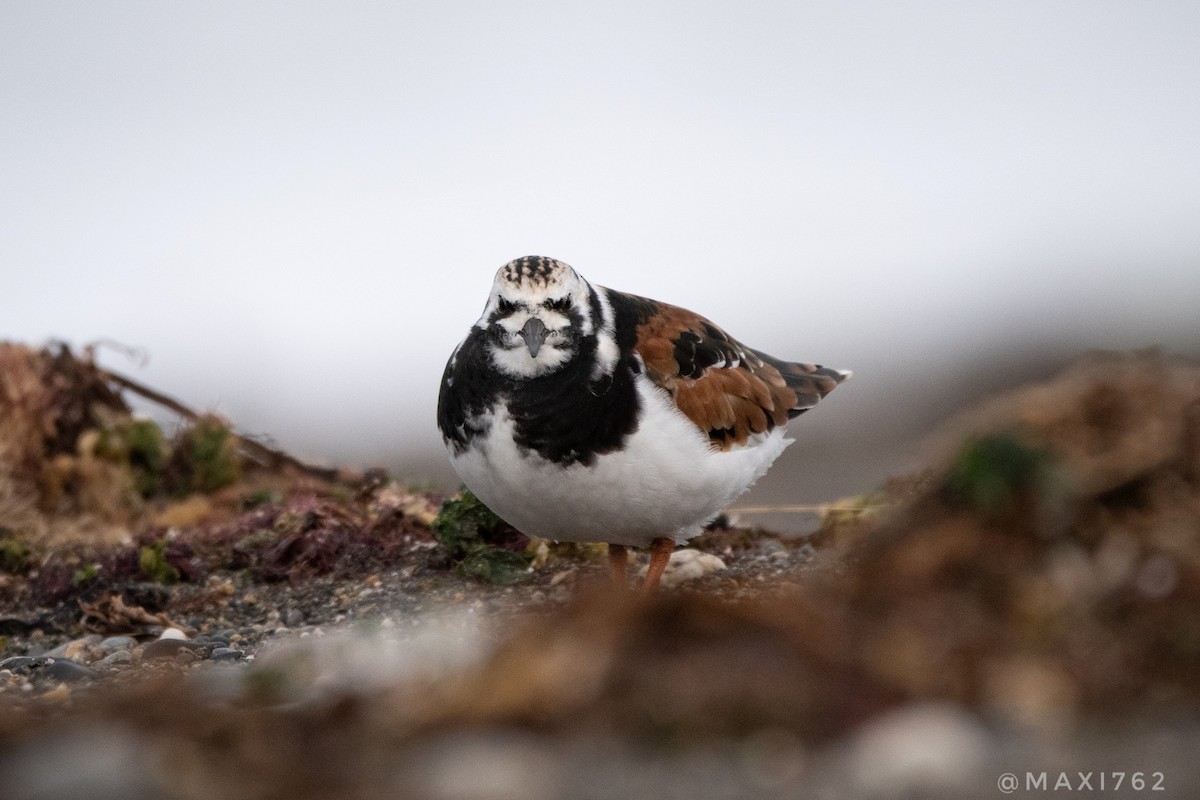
[(78, 650), (688, 564), (771, 547), (226, 654), (17, 663), (294, 618), (71, 649), (917, 750), (61, 669), (115, 643), (173, 633), (169, 648), (116, 659)]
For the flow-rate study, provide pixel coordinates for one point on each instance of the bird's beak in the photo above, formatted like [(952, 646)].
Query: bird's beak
[(534, 333)]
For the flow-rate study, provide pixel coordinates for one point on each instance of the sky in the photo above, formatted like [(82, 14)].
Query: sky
[(294, 210)]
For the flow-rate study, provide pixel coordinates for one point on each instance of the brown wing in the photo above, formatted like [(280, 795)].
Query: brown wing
[(729, 390)]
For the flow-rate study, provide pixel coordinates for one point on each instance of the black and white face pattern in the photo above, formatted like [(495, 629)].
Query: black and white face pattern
[(538, 316)]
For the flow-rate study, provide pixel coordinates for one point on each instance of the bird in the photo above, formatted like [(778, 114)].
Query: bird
[(584, 414)]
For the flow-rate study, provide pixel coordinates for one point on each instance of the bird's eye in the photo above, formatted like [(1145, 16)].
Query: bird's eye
[(562, 304), (505, 306)]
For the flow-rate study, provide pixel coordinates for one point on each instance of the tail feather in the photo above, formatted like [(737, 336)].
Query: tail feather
[(810, 382)]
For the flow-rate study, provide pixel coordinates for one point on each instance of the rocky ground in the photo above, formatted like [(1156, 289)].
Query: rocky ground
[(192, 619), (94, 635)]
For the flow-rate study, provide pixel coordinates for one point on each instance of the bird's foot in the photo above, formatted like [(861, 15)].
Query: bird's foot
[(660, 555)]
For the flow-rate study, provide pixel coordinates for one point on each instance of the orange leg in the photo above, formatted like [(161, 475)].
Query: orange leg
[(660, 554), (618, 561)]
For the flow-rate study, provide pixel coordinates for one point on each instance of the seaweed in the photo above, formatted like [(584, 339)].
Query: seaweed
[(485, 546)]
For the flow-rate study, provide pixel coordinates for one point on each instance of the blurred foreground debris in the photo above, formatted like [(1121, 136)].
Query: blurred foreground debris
[(1029, 602), (1051, 563)]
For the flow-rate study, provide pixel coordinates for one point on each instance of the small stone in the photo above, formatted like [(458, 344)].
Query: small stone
[(226, 654), (172, 633), (186, 656), (168, 648), (116, 659), (773, 546), (114, 643), (76, 650), (61, 669), (58, 652), (918, 750), (222, 589), (17, 664), (294, 618), (688, 564)]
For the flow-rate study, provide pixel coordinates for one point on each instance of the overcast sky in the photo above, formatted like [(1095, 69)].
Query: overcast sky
[(296, 208)]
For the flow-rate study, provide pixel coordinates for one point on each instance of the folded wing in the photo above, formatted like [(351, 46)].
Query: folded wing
[(730, 391)]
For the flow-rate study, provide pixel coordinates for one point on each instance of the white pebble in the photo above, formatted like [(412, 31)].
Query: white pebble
[(687, 565), (916, 749)]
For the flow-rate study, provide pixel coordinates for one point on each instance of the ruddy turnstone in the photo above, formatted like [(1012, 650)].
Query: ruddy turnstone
[(583, 414)]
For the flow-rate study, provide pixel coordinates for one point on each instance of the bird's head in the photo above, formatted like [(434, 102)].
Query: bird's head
[(539, 315)]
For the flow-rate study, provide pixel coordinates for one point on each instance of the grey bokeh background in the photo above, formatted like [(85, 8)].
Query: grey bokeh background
[(296, 208)]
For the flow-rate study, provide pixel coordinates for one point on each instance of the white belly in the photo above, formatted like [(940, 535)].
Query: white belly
[(666, 481)]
